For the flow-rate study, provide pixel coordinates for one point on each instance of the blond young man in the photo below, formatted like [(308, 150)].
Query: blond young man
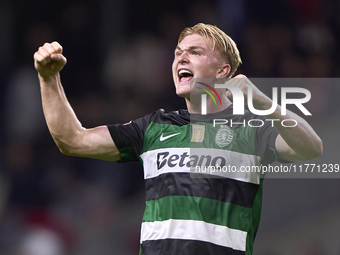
[(185, 214)]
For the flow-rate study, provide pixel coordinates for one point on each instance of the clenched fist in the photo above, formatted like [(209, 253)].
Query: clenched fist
[(48, 60), (259, 99)]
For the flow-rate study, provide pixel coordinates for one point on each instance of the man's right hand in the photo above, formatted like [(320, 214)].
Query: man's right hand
[(48, 60), (64, 126)]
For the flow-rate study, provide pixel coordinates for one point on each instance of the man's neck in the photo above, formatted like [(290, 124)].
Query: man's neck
[(196, 108)]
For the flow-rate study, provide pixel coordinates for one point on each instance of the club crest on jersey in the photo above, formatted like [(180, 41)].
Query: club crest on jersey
[(224, 136), (197, 135)]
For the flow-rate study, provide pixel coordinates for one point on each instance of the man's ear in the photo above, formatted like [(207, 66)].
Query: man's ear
[(223, 71)]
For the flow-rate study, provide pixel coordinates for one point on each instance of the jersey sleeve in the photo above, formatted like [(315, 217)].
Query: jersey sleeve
[(265, 138), (129, 137)]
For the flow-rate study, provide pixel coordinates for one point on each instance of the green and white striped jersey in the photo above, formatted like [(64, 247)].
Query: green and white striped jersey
[(189, 212)]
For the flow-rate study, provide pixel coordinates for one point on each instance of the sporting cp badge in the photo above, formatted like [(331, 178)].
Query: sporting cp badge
[(197, 135), (224, 136)]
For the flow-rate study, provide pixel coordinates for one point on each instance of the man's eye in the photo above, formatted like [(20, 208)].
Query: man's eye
[(196, 53), (178, 53)]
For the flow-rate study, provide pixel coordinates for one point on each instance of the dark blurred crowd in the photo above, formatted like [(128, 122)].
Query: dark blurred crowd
[(119, 68)]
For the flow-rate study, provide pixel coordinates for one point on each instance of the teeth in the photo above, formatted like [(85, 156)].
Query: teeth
[(184, 71)]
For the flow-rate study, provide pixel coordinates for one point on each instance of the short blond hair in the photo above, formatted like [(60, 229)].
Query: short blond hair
[(220, 41)]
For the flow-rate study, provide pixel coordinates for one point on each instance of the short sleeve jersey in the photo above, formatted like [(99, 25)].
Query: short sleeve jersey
[(190, 212)]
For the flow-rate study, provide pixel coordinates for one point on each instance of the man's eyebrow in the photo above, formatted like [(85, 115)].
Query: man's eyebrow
[(190, 48)]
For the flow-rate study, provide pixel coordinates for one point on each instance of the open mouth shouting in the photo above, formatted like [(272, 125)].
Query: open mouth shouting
[(185, 75)]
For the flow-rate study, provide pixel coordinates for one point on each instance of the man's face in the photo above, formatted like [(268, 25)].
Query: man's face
[(194, 59)]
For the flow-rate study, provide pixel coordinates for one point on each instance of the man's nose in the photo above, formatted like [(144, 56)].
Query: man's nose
[(183, 58)]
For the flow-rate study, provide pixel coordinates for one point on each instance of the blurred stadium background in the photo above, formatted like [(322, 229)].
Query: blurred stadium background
[(119, 68)]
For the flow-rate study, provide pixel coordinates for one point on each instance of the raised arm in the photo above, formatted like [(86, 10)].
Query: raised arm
[(293, 143), (64, 126)]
